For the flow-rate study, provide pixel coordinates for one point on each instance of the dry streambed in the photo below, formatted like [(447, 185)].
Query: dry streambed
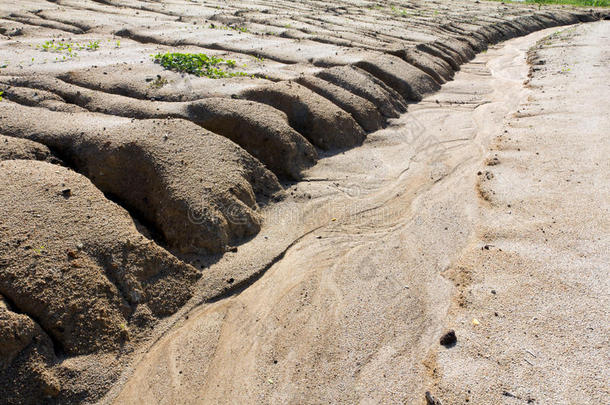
[(132, 181)]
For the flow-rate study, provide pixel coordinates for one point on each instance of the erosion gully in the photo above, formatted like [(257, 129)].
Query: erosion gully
[(349, 298)]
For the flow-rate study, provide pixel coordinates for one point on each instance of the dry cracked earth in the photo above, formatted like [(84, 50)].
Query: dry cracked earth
[(131, 194)]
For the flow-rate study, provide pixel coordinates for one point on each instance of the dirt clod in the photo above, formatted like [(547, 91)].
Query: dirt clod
[(449, 339)]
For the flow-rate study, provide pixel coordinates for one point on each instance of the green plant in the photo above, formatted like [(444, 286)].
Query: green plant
[(66, 48), (228, 27), (93, 45), (1, 93), (159, 82), (198, 64), (52, 46)]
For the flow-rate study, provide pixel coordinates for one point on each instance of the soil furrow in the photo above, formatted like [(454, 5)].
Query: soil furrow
[(175, 120)]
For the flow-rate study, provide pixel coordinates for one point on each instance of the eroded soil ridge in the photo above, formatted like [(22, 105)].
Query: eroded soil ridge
[(113, 168)]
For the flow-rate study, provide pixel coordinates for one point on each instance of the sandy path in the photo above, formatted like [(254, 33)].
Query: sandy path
[(541, 290), (353, 311)]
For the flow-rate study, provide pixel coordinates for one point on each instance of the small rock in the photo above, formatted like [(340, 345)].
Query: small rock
[(449, 339)]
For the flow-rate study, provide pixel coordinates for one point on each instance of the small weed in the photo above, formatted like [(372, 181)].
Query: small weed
[(228, 27), (198, 64), (67, 48), (124, 330), (159, 82), (39, 250), (59, 47), (117, 44), (93, 45), (1, 93)]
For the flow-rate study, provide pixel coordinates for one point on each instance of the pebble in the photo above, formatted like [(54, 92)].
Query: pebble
[(448, 339)]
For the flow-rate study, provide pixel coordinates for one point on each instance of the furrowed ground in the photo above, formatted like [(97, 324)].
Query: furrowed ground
[(142, 142)]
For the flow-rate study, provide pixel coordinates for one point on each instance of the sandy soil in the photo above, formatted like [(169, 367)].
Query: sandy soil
[(483, 210), (541, 289), (285, 233)]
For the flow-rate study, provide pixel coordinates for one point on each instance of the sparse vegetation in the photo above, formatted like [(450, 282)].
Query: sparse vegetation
[(93, 45), (159, 82), (401, 12), (52, 46), (228, 27), (198, 64), (68, 49), (1, 93)]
